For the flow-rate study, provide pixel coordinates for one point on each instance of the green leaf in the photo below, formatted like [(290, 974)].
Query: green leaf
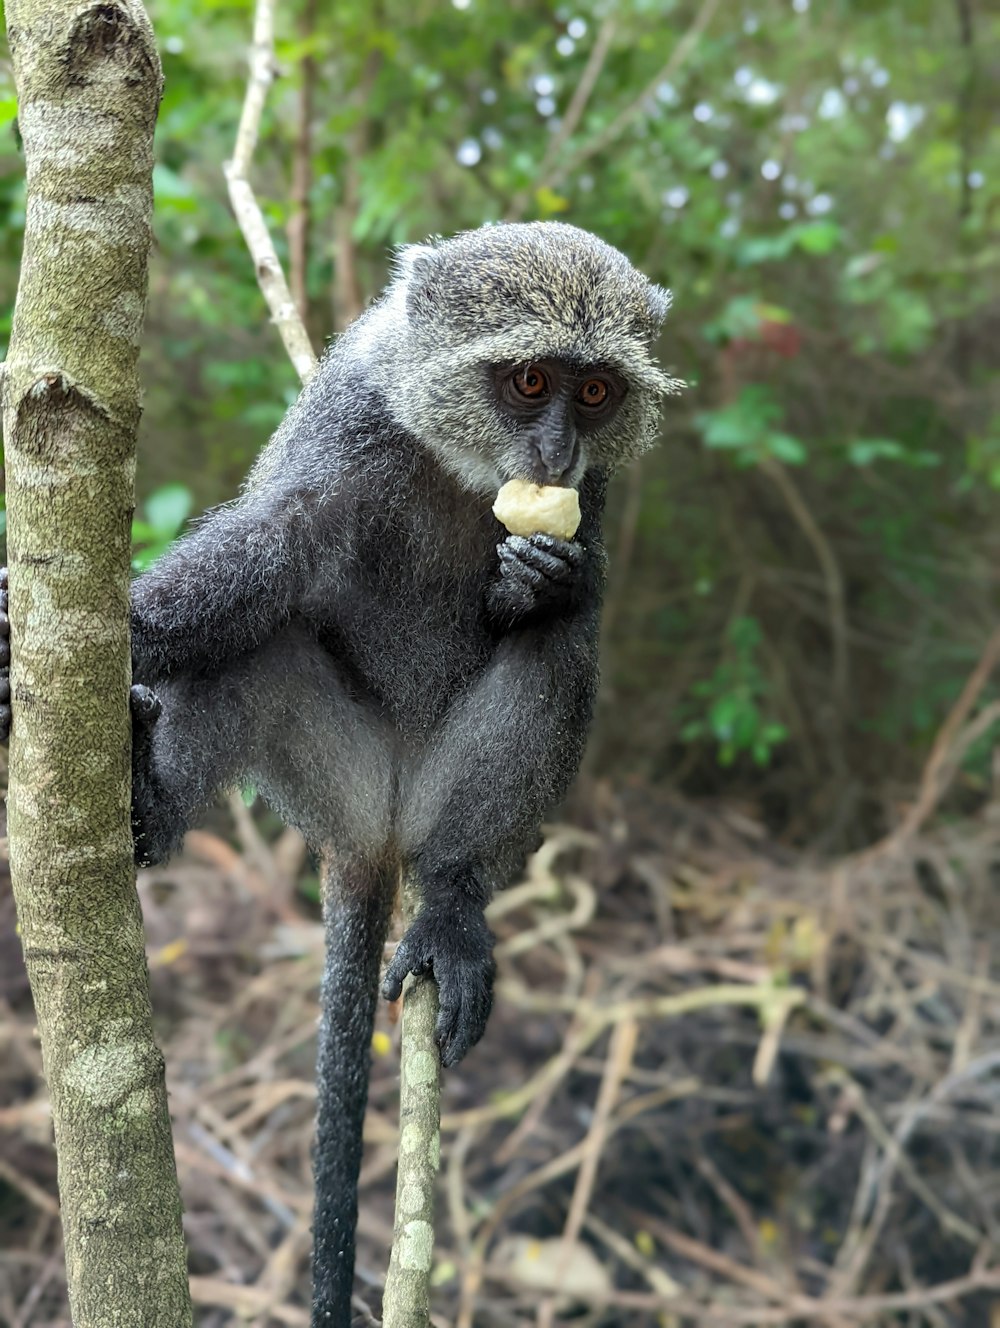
[(783, 447), (817, 237), (765, 248), (863, 451), (172, 193), (745, 634), (167, 509), (549, 202)]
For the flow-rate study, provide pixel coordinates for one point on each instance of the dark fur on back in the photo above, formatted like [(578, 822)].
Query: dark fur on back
[(347, 637)]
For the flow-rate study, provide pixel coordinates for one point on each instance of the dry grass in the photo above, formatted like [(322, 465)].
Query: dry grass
[(722, 1085)]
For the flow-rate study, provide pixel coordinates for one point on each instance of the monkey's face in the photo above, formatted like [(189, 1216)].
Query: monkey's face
[(521, 351), (553, 407)]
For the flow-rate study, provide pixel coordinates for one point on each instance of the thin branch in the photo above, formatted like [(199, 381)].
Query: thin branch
[(574, 114), (795, 1309), (347, 294), (633, 110), (941, 761), (406, 1302), (966, 104), (299, 221), (245, 1300), (270, 276), (620, 1055), (831, 575)]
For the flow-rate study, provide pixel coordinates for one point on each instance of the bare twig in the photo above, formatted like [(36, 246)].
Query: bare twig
[(794, 1309), (407, 1287), (830, 568), (347, 294), (270, 276), (620, 1054), (940, 763), (298, 222), (624, 118), (31, 1191), (574, 114), (245, 1300)]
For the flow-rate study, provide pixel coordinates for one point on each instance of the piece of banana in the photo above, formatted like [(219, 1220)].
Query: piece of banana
[(532, 509)]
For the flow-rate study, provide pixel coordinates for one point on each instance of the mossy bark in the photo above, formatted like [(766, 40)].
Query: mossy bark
[(406, 1302), (88, 83)]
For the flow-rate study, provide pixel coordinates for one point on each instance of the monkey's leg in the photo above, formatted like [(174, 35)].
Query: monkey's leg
[(186, 743), (472, 808), (357, 902)]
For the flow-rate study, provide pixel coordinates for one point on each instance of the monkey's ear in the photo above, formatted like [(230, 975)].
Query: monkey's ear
[(416, 266), (659, 301)]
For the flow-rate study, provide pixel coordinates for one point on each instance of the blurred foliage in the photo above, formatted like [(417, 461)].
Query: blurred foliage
[(730, 702), (819, 183), (163, 518)]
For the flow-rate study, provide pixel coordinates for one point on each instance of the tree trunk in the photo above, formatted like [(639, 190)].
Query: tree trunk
[(88, 84)]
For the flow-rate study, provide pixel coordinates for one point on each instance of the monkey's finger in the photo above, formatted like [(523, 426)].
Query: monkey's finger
[(462, 1021), (546, 564), (466, 998), (3, 578), (564, 551), (144, 702), (568, 550), (405, 960), (395, 974), (457, 1033), (446, 1028), (4, 652), (4, 722)]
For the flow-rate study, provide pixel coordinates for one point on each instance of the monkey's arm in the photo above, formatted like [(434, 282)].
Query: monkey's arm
[(227, 586), (505, 757)]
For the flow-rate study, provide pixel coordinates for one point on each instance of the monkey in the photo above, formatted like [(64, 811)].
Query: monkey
[(359, 639)]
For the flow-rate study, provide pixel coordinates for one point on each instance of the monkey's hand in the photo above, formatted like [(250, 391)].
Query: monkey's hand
[(145, 707), (456, 946), (540, 576)]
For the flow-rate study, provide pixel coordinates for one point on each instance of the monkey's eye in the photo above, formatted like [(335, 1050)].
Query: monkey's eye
[(594, 392), (531, 382)]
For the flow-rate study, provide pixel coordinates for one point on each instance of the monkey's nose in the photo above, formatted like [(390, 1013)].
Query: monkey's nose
[(556, 457)]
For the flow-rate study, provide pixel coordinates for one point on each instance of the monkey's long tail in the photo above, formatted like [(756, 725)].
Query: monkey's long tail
[(357, 904)]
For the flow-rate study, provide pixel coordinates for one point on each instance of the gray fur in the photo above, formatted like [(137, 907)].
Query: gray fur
[(507, 293), (346, 637)]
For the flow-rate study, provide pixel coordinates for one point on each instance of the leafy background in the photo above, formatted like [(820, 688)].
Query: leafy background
[(804, 575), (806, 569)]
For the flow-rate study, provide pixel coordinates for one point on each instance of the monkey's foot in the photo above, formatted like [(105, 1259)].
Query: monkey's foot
[(537, 574), (456, 946)]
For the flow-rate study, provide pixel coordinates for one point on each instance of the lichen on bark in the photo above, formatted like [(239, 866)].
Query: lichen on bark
[(406, 1302), (88, 83)]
